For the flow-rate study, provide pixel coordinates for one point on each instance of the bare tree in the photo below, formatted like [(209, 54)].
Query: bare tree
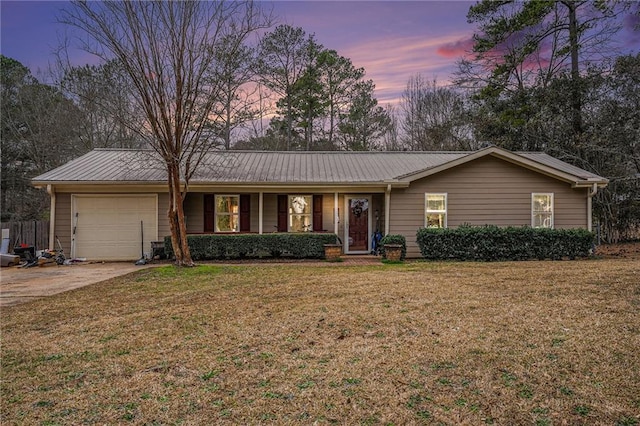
[(263, 107), (166, 49), (103, 95), (391, 137), (434, 117), (238, 99)]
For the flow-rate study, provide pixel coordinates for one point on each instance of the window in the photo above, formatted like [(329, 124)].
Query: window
[(300, 213), (542, 210), (227, 216), (435, 210)]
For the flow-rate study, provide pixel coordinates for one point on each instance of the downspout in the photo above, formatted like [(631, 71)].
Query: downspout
[(387, 209), (52, 217), (591, 193)]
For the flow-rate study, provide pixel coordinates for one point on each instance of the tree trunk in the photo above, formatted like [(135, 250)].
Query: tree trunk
[(175, 215), (289, 122), (228, 94), (309, 126), (227, 125), (576, 98), (332, 113)]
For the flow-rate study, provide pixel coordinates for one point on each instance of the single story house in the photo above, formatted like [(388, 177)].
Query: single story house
[(111, 203)]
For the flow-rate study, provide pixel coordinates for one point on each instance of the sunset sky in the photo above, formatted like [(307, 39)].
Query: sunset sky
[(392, 40)]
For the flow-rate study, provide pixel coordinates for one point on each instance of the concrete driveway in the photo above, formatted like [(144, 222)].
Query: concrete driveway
[(19, 285)]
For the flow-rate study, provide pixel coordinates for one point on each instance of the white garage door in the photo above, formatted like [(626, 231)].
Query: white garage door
[(108, 227)]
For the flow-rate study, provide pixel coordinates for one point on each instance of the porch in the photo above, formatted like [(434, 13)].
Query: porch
[(353, 216)]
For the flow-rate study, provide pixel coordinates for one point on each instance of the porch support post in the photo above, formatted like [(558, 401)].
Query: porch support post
[(260, 208), (336, 215), (52, 219), (387, 209)]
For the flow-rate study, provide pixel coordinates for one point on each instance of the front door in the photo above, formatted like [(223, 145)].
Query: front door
[(358, 227)]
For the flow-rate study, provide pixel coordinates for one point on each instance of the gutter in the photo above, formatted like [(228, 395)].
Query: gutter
[(194, 187)]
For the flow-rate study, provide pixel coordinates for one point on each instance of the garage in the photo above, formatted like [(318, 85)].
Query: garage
[(111, 227)]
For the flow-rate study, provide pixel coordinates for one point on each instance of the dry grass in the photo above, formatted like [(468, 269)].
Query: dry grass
[(420, 343)]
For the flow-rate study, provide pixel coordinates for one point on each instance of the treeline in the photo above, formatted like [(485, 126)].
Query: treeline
[(528, 85)]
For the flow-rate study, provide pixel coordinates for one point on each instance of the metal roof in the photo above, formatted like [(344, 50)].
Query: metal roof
[(268, 167), (560, 165)]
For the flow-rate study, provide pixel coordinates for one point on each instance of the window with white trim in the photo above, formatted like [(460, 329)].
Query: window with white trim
[(227, 213), (300, 213), (435, 210), (541, 210)]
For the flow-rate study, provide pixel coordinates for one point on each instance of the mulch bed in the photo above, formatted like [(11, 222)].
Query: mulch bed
[(619, 250)]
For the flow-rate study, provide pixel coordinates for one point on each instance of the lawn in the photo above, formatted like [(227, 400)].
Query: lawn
[(533, 343)]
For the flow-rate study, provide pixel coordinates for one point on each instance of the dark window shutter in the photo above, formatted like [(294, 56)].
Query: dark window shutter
[(209, 212), (317, 213), (283, 208), (245, 212)]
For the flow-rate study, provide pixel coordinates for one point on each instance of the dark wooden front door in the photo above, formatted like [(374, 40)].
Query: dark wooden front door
[(358, 224)]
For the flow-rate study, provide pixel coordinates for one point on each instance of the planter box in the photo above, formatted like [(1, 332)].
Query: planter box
[(332, 252), (393, 252)]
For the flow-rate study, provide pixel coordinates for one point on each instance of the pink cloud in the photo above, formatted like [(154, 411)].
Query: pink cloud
[(456, 49), (463, 48), (391, 61)]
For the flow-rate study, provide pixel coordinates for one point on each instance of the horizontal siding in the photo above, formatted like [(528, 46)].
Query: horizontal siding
[(194, 212), (327, 212), (163, 221), (63, 223), (571, 209), (341, 218), (255, 213), (378, 205), (487, 191), (270, 213)]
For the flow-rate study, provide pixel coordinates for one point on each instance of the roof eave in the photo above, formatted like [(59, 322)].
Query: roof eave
[(44, 183), (588, 183), (200, 185)]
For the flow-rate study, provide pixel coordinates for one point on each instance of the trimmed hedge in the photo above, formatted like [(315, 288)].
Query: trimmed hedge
[(240, 246), (394, 239), (491, 243)]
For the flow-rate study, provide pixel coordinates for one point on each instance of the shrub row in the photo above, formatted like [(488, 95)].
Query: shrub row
[(490, 243), (239, 246), (394, 239)]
